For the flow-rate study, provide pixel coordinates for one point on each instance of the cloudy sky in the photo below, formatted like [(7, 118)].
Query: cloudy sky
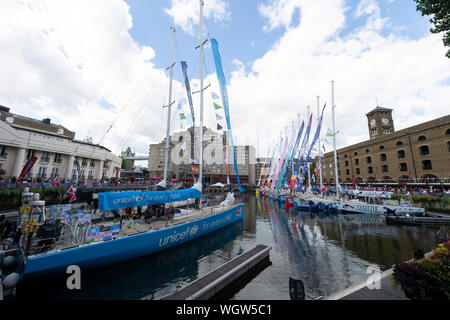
[(92, 65)]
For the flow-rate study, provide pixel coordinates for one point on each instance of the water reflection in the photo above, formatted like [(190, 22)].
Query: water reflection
[(328, 252)]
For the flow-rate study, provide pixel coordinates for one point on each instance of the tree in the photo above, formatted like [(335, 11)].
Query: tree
[(440, 9)]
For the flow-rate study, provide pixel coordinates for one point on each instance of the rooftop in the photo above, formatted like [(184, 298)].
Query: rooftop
[(378, 108)]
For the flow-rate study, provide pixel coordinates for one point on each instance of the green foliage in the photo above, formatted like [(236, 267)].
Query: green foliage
[(426, 279), (440, 11)]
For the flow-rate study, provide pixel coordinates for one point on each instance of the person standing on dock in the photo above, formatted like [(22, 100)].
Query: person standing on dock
[(442, 235)]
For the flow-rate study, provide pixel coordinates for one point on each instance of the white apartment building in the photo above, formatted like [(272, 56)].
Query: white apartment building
[(22, 138)]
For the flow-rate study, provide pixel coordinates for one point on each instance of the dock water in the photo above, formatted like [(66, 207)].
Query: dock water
[(222, 277)]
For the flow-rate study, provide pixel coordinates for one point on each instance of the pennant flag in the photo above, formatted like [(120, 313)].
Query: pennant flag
[(218, 117), (27, 168), (217, 107), (72, 198), (56, 182), (71, 191), (219, 127), (329, 133), (316, 137), (214, 96), (182, 116), (188, 89)]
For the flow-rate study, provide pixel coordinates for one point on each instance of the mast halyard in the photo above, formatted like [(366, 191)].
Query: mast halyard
[(169, 106), (309, 169)]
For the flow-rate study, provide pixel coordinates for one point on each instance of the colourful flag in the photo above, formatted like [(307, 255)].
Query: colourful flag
[(219, 127), (188, 89), (194, 169), (216, 106), (218, 117), (182, 116), (56, 182)]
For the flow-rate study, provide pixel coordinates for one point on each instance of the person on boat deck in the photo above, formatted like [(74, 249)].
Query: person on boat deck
[(47, 233), (442, 235)]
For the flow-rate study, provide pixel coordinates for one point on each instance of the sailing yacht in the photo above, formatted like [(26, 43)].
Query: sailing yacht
[(139, 240)]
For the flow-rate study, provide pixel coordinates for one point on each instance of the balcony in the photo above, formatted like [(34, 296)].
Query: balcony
[(45, 159)]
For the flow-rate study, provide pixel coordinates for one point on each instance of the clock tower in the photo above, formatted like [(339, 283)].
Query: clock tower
[(380, 122)]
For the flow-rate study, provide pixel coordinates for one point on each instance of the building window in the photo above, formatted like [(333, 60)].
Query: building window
[(57, 158), (347, 172), (448, 146), (356, 161), (447, 132), (84, 162), (374, 132), (383, 157), (426, 165), (3, 152), (42, 172), (367, 151), (355, 154), (45, 157), (385, 168), (424, 150), (30, 154), (403, 167), (346, 163), (369, 159), (357, 171), (386, 130), (370, 170), (381, 147), (422, 138), (92, 163), (399, 143), (90, 175), (55, 173)]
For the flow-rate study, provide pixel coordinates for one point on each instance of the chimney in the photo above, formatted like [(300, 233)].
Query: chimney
[(46, 120)]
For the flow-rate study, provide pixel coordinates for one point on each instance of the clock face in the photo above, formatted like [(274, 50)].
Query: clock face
[(385, 121), (373, 123)]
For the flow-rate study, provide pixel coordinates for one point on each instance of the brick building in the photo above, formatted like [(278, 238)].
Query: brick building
[(420, 153)]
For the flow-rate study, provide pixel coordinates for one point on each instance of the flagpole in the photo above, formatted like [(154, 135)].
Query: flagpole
[(334, 139), (320, 158)]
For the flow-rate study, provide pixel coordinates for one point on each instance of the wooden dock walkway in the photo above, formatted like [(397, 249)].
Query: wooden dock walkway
[(220, 278)]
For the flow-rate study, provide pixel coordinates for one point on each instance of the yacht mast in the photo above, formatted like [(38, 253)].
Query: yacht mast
[(334, 140), (166, 159), (309, 170), (200, 177), (320, 157)]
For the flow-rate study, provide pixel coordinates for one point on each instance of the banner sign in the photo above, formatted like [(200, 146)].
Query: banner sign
[(103, 233), (118, 200), (27, 168)]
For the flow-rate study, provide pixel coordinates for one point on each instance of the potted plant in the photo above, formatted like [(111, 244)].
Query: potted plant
[(428, 278)]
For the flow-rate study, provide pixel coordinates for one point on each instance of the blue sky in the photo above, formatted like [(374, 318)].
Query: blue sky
[(242, 37), (278, 55)]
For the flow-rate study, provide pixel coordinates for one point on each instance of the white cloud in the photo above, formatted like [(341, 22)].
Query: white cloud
[(406, 75), (62, 58), (185, 13)]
